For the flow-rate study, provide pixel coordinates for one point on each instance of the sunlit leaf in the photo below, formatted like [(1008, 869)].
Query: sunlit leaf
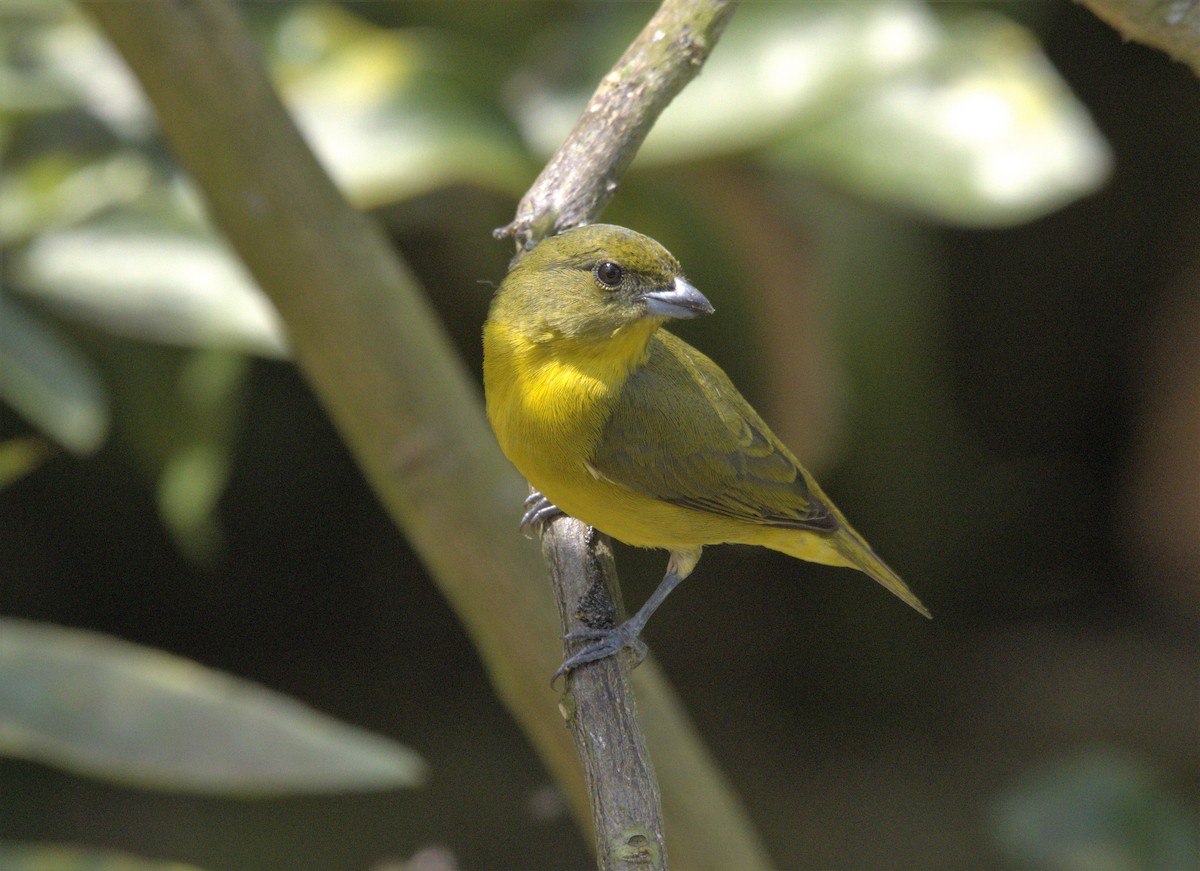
[(28, 81), (51, 58), (983, 133), (152, 283), (968, 123), (777, 66), (54, 857), (49, 382), (784, 66), (20, 456), (54, 190), (385, 112), (89, 64), (107, 708)]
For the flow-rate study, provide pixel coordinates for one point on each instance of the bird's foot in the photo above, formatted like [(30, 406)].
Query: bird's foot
[(605, 642), (538, 512)]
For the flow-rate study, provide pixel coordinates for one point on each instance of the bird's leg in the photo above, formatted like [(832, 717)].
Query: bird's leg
[(538, 512), (606, 642)]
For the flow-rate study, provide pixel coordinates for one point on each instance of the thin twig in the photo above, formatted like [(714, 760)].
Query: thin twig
[(584, 173)]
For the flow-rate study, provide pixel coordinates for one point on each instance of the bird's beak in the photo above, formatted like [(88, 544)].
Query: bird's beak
[(681, 301)]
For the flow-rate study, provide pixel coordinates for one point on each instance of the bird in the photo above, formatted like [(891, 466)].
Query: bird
[(620, 424)]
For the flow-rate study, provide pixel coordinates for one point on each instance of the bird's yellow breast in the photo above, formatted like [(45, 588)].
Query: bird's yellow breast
[(548, 405)]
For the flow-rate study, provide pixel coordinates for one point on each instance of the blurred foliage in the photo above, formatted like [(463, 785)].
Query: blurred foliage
[(50, 381), (964, 121), (20, 456), (33, 857), (825, 180), (106, 708), (97, 225), (1099, 811)]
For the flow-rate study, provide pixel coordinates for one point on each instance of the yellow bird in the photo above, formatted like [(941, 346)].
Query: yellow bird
[(625, 427)]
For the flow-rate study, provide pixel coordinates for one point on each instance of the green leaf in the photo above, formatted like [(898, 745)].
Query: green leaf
[(55, 189), (967, 123), (388, 112), (49, 382), (156, 283), (785, 65), (982, 133), (53, 857), (1096, 811), (52, 58), (107, 708), (201, 424), (777, 67)]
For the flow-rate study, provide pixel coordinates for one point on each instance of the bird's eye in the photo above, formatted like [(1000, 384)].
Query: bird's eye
[(608, 273)]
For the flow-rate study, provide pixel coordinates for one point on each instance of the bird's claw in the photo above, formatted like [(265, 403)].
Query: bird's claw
[(538, 512), (605, 642)]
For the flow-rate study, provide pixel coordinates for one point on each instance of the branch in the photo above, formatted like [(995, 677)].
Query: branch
[(599, 707), (583, 175), (573, 189), (359, 327), (1170, 25)]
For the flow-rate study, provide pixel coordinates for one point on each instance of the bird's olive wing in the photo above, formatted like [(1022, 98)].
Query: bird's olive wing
[(680, 431)]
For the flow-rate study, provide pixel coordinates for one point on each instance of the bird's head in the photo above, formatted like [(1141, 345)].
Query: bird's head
[(596, 283)]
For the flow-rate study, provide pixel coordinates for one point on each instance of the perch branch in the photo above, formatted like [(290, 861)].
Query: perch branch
[(582, 176), (599, 708)]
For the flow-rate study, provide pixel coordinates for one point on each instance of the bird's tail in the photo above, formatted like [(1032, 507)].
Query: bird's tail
[(858, 554)]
